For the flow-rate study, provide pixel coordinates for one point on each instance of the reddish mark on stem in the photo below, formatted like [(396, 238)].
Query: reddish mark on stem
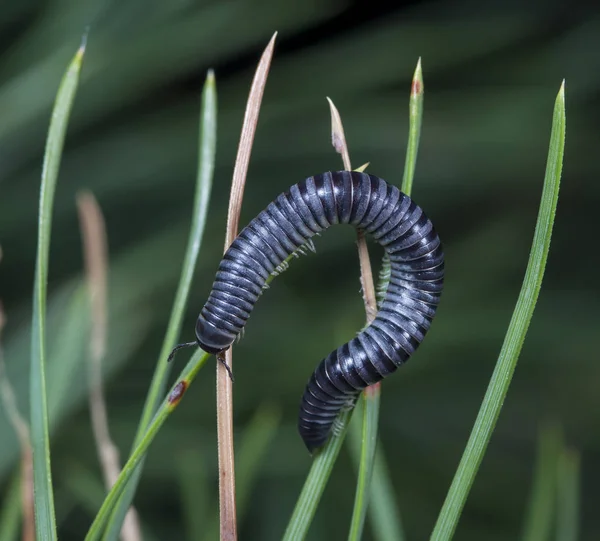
[(177, 392), (416, 87)]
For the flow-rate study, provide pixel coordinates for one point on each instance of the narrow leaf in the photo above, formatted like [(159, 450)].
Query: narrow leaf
[(40, 437), (316, 481), (370, 421), (168, 406), (415, 118), (515, 336), (415, 115), (204, 179)]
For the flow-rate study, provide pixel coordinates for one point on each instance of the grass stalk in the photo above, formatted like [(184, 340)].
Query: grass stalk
[(227, 502), (515, 336), (167, 407), (372, 395), (95, 250), (316, 480), (368, 444), (45, 520), (204, 179)]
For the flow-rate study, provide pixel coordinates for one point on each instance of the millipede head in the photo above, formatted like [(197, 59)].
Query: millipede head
[(211, 339)]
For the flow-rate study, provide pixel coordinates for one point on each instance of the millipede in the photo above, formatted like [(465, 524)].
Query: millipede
[(404, 316)]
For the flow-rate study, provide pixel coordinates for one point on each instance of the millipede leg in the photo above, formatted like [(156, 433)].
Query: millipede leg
[(178, 347), (221, 359)]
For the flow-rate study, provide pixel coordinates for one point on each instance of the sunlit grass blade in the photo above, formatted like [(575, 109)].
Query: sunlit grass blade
[(515, 336), (206, 165), (40, 435), (370, 421), (541, 510), (567, 509), (316, 481), (169, 405)]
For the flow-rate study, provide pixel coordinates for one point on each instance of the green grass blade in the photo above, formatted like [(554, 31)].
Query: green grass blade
[(567, 511), (541, 509), (415, 114), (368, 438), (415, 119), (169, 405), (316, 480), (372, 399), (383, 508), (10, 514), (45, 520), (206, 165), (515, 336)]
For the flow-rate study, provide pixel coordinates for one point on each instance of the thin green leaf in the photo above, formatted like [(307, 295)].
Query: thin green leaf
[(415, 119), (370, 421), (383, 508), (169, 405), (316, 480), (40, 437), (515, 336), (542, 501), (415, 113), (372, 399), (10, 514), (206, 165), (567, 509)]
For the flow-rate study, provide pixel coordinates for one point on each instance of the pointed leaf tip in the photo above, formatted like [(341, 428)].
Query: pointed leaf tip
[(416, 88), (84, 40), (338, 137)]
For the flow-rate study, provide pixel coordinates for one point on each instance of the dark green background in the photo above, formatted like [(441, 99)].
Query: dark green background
[(491, 73)]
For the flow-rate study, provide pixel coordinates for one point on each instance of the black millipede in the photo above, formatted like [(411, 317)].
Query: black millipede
[(417, 272)]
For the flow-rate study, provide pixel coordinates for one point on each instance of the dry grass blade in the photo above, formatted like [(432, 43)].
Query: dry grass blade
[(227, 509), (95, 252), (338, 140), (9, 403)]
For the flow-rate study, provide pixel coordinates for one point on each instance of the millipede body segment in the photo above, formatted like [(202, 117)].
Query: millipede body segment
[(417, 271)]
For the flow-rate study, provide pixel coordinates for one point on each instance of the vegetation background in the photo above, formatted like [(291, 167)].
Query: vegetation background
[(491, 73)]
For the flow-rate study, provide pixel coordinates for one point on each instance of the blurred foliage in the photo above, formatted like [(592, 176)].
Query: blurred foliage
[(491, 74)]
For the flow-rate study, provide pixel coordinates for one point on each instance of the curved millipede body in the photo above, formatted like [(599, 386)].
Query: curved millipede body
[(417, 270)]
